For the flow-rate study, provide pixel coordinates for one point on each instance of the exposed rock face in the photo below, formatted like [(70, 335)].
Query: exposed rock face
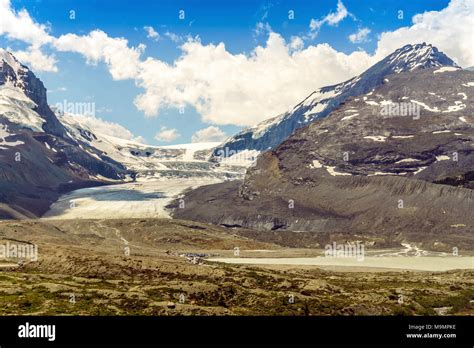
[(269, 134), (21, 77), (397, 161)]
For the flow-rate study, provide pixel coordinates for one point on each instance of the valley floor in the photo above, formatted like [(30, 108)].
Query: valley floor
[(165, 267)]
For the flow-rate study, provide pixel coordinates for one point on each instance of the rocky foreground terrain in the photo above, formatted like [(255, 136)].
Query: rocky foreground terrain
[(83, 269)]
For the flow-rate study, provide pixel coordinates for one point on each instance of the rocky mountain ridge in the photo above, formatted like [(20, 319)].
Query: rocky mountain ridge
[(396, 162), (270, 133)]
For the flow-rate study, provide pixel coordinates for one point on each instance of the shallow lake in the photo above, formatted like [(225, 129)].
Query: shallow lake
[(421, 263)]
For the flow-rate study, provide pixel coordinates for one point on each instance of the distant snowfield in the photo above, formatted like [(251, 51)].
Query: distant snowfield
[(446, 69), (142, 199), (191, 148)]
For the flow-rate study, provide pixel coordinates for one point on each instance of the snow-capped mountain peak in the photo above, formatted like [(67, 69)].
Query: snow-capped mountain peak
[(10, 59), (15, 104), (27, 88), (11, 69), (272, 132), (411, 57)]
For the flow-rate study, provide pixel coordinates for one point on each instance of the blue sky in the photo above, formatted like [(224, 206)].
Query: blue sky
[(230, 22)]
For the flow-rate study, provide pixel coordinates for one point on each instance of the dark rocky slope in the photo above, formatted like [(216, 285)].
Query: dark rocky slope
[(360, 171)]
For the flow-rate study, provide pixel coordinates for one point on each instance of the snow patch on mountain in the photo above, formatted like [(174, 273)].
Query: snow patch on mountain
[(402, 136), (17, 108), (262, 127), (424, 106), (349, 116), (4, 133), (446, 69), (8, 58), (378, 138), (458, 105)]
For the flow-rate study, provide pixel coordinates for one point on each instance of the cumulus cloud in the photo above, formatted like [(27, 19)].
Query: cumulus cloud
[(209, 134), (167, 135), (450, 30), (139, 139), (360, 36), (296, 43), (335, 17), (152, 33), (243, 89), (262, 28), (105, 127), (332, 18), (173, 37), (123, 61), (36, 60), (20, 26)]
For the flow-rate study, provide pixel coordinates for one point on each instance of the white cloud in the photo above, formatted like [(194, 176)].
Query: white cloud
[(96, 46), (335, 17), (264, 10), (122, 61), (360, 36), (36, 60), (262, 28), (105, 127), (173, 37), (450, 30), (152, 33), (20, 26), (332, 19), (167, 135), (296, 43), (139, 139), (209, 134), (243, 89)]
